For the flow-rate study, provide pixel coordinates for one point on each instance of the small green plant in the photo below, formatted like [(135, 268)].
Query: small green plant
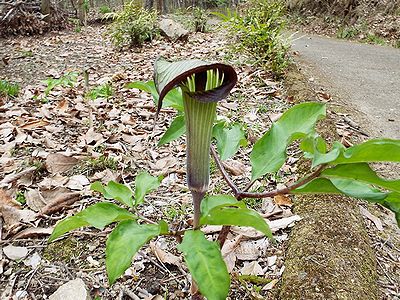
[(93, 165), (257, 32), (104, 9), (347, 32), (102, 91), (67, 80), (200, 18), (201, 85), (9, 89), (374, 39), (20, 197), (133, 26)]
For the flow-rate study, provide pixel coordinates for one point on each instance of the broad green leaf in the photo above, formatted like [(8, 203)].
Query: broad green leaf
[(229, 139), (371, 151), (206, 265), (314, 148), (317, 186), (392, 202), (123, 243), (173, 99), (119, 192), (170, 74), (324, 158), (358, 189), (225, 215), (98, 215), (361, 172), (269, 152), (210, 202), (175, 130), (144, 184), (348, 187), (98, 187)]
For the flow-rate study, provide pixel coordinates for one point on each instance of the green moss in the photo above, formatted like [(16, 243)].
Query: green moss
[(64, 250)]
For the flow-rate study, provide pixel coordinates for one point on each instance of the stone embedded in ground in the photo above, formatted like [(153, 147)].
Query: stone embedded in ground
[(15, 253), (173, 30), (72, 290)]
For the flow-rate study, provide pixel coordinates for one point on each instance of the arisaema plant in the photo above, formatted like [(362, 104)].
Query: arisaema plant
[(194, 88)]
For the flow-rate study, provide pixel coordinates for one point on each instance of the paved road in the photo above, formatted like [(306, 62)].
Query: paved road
[(368, 75)]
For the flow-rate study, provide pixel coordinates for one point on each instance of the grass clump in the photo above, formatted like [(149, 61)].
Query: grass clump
[(347, 32), (133, 26), (101, 91), (9, 89), (104, 9), (258, 33), (94, 165)]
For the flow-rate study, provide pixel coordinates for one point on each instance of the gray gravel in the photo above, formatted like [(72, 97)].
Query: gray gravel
[(368, 75)]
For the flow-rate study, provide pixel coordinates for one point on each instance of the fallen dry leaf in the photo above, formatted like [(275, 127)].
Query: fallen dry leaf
[(59, 163), (33, 232), (165, 256), (372, 218), (35, 124), (228, 252), (11, 212), (252, 268), (283, 200), (270, 285), (251, 250), (60, 198), (278, 224), (235, 167), (13, 177)]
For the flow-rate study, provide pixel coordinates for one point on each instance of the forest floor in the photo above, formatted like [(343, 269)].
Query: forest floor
[(39, 135), (121, 142)]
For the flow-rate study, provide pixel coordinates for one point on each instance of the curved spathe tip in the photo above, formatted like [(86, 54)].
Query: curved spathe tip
[(167, 75)]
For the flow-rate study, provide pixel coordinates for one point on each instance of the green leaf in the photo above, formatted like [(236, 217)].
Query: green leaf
[(210, 202), (228, 139), (144, 184), (119, 192), (269, 152), (371, 151), (170, 74), (317, 186), (173, 99), (361, 172), (98, 187), (392, 202), (98, 215), (206, 265), (175, 130), (123, 243), (348, 187), (227, 215), (324, 158)]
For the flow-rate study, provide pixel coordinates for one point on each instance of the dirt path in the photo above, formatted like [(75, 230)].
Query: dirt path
[(360, 83), (366, 76)]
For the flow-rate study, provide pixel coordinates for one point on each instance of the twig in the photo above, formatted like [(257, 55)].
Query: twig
[(244, 194), (283, 191), (249, 185), (226, 176), (223, 235)]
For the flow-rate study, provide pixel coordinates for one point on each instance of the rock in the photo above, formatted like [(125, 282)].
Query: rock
[(15, 253), (72, 290), (173, 30)]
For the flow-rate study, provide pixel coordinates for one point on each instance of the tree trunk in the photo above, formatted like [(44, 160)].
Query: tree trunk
[(149, 4), (45, 9), (82, 12)]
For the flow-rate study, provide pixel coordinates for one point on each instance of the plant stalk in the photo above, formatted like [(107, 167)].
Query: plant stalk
[(199, 118)]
